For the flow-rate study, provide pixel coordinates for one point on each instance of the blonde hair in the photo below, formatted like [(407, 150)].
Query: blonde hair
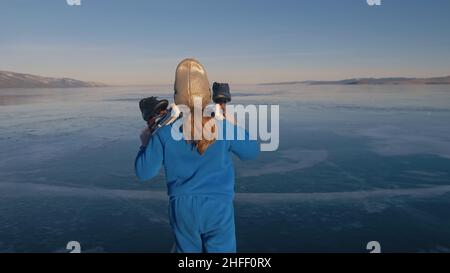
[(202, 135)]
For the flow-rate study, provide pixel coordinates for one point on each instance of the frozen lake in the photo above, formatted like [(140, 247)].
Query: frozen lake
[(355, 164)]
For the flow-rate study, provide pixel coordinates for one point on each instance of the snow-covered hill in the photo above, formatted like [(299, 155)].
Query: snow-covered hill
[(19, 80)]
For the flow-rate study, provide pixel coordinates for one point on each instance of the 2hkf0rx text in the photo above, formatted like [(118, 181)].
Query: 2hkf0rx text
[(246, 262)]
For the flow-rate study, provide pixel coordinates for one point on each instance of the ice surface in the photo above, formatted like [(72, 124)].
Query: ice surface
[(355, 164)]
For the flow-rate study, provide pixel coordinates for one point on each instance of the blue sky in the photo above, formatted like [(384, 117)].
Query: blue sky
[(245, 41)]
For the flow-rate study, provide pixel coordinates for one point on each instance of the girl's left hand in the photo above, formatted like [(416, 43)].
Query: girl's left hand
[(145, 136)]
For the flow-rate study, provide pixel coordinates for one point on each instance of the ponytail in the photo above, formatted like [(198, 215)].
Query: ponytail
[(207, 132)]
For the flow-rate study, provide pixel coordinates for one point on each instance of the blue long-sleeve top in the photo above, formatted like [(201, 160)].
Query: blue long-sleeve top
[(189, 173)]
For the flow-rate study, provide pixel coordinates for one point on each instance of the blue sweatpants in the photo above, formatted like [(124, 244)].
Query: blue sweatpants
[(203, 223)]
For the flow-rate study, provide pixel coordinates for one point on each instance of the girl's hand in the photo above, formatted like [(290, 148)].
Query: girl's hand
[(151, 122), (145, 136), (227, 116)]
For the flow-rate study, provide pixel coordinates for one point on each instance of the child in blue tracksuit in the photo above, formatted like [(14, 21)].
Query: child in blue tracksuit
[(200, 187)]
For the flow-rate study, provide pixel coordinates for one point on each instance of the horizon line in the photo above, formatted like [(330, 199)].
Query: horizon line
[(237, 83)]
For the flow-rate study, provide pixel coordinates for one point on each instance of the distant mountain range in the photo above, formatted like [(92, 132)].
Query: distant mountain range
[(372, 81), (19, 80)]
